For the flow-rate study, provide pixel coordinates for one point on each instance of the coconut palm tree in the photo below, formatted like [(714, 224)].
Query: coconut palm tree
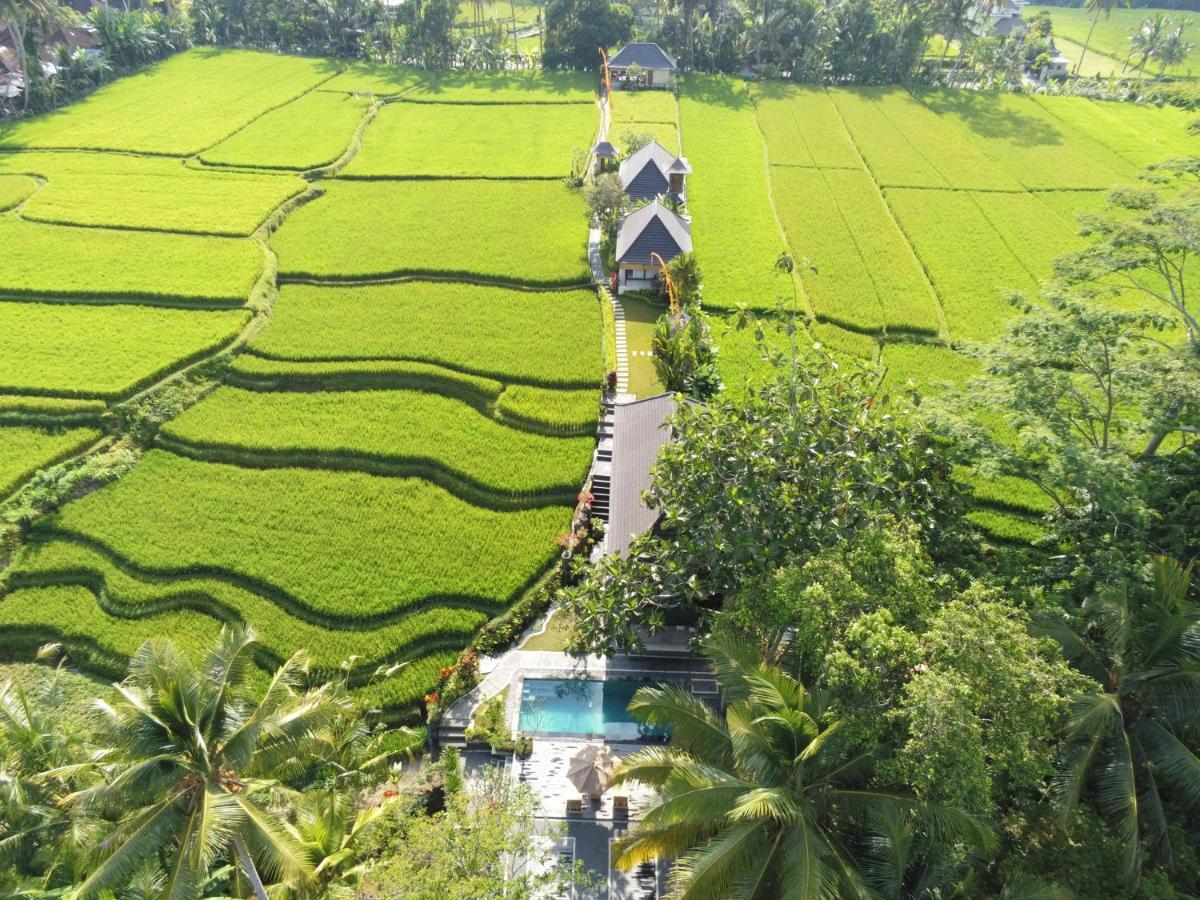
[(1146, 40), (189, 748), (1095, 7), (763, 800), (1172, 50), (29, 19), (1132, 746)]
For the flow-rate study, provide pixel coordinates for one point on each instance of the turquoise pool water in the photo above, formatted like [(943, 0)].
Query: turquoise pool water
[(585, 708)]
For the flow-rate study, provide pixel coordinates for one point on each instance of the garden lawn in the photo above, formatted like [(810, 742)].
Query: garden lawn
[(343, 544), (1018, 133), (802, 128), (103, 351), (162, 194), (514, 232), (14, 189), (59, 261), (860, 272), (440, 438), (462, 141), (307, 133), (907, 145), (25, 450), (734, 230), (1111, 36), (547, 338), (179, 106)]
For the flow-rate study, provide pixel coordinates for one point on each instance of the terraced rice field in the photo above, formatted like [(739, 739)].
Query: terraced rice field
[(1111, 35), (910, 215), (377, 469)]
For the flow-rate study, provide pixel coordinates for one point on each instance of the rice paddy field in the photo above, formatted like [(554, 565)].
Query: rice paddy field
[(1111, 35), (910, 215), (406, 404)]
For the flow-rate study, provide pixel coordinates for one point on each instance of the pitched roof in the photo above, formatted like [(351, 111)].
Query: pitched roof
[(639, 431), (681, 166), (605, 150), (652, 229), (644, 174), (648, 56)]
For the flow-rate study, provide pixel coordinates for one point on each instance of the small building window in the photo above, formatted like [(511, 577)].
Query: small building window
[(628, 275)]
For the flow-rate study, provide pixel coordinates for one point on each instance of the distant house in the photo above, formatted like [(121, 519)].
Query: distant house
[(605, 153), (80, 39), (653, 66), (654, 171), (652, 229), (1001, 18), (1058, 66)]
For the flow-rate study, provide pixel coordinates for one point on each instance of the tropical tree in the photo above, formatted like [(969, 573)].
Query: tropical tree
[(1095, 7), (186, 772), (685, 357), (1173, 49), (28, 19), (1144, 42), (1132, 746), (764, 801)]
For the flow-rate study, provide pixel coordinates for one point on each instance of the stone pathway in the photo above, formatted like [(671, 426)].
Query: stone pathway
[(618, 311)]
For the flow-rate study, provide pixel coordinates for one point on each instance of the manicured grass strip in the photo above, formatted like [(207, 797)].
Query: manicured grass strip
[(1018, 133), (1139, 133), (328, 642), (514, 232), (734, 229), (261, 374), (409, 431), (224, 204), (802, 128), (1006, 527), (905, 144), (25, 450), (571, 412), (58, 261), (965, 257), (861, 274), (179, 106), (343, 543), (103, 351), (448, 141), (307, 133), (539, 337), (504, 87), (14, 189)]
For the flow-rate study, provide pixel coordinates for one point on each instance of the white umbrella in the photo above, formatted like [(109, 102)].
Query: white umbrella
[(591, 769)]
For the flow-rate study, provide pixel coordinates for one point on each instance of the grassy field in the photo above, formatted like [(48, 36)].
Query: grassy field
[(1111, 36), (464, 141), (25, 450), (102, 351), (182, 105), (286, 139), (513, 232)]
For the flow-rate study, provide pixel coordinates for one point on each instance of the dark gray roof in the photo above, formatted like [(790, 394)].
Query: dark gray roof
[(639, 431), (605, 150), (652, 229), (648, 56), (644, 174)]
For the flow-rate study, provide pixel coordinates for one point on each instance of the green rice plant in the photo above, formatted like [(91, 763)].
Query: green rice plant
[(342, 544), (1017, 133), (547, 338), (328, 641), (929, 367), (259, 373), (285, 139), (568, 412), (14, 189), (734, 229), (1006, 527), (177, 107), (512, 232), (50, 412), (860, 271), (498, 11), (1005, 492), (1070, 205), (372, 79), (802, 128), (503, 87), (967, 261), (96, 263), (644, 106), (907, 145), (666, 133), (104, 351), (148, 193), (1111, 34), (451, 141), (1030, 229), (1139, 133), (849, 343), (390, 432), (24, 450)]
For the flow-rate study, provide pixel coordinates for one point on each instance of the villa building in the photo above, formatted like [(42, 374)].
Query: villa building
[(652, 230), (655, 171), (652, 66)]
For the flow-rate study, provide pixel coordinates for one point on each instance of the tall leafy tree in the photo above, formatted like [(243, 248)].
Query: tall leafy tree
[(1096, 7), (576, 29), (188, 772), (764, 801), (1133, 745)]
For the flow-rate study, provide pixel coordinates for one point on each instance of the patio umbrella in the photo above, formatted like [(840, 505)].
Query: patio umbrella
[(591, 769)]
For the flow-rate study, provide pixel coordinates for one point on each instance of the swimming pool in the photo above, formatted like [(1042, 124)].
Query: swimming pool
[(577, 707)]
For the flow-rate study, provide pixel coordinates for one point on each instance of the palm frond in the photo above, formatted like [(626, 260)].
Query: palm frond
[(694, 724), (1174, 762), (805, 872), (757, 804), (276, 852), (1029, 887), (1078, 652), (733, 658), (134, 841), (710, 871), (651, 766), (941, 822)]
